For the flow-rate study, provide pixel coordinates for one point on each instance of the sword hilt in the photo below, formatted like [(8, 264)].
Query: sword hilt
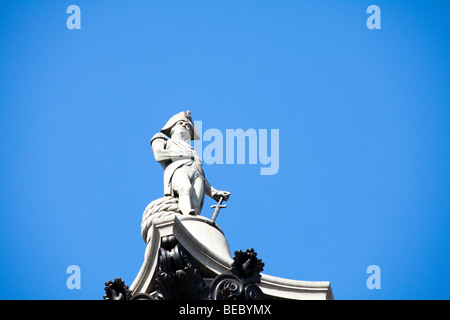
[(217, 208)]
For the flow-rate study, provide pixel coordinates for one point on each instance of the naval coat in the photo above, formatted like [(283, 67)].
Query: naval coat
[(173, 154)]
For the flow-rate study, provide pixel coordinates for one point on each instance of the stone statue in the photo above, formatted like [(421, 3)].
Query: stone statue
[(183, 173), (184, 249)]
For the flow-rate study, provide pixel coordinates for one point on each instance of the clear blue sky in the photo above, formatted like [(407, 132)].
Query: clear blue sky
[(363, 117)]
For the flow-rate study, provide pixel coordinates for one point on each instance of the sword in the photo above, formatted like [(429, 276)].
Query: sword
[(217, 208)]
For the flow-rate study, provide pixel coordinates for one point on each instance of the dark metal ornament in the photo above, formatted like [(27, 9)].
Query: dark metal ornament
[(178, 278)]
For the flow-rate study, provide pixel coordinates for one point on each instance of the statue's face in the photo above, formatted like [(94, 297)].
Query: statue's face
[(183, 128), (183, 124)]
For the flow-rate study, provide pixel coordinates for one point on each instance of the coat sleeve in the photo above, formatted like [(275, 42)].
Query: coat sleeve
[(158, 144), (163, 154)]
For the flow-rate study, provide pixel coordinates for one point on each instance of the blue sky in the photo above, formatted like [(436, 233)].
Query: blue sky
[(364, 137)]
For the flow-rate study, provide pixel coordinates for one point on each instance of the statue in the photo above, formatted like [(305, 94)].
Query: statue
[(183, 173), (187, 256)]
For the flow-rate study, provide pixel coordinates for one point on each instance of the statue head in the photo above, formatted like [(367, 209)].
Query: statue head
[(181, 121)]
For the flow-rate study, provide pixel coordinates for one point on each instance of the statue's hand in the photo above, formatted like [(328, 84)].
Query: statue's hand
[(219, 193)]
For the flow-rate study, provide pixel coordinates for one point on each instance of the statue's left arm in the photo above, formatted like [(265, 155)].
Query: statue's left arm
[(215, 194)]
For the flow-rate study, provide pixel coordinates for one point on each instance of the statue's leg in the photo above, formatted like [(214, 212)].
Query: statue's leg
[(199, 192), (181, 183)]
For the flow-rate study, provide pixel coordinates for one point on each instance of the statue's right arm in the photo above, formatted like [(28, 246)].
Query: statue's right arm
[(159, 143), (158, 150)]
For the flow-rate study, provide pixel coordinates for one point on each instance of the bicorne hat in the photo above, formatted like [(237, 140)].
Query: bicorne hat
[(186, 116)]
